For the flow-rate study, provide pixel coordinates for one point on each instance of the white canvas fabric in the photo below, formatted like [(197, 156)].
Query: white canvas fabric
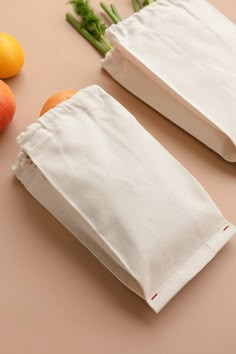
[(179, 57), (129, 201)]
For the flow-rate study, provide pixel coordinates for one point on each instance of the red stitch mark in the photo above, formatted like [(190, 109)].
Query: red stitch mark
[(226, 227), (154, 296)]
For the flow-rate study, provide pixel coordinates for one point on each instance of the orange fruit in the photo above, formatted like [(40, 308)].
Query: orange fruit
[(11, 56), (55, 99), (7, 105)]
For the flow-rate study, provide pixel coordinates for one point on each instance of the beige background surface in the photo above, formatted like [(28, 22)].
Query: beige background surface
[(55, 297)]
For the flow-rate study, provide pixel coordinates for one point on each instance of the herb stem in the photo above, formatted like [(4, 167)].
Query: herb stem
[(136, 5), (109, 12), (115, 12), (106, 43), (95, 43)]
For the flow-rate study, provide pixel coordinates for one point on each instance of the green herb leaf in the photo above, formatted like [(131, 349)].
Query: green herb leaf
[(89, 20), (95, 43)]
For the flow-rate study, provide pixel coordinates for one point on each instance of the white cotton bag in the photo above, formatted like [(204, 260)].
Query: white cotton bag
[(130, 202), (179, 57)]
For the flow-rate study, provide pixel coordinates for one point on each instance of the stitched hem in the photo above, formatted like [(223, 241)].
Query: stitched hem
[(191, 268)]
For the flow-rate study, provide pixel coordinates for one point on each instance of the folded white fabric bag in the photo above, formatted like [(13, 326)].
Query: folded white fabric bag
[(179, 56), (108, 181)]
